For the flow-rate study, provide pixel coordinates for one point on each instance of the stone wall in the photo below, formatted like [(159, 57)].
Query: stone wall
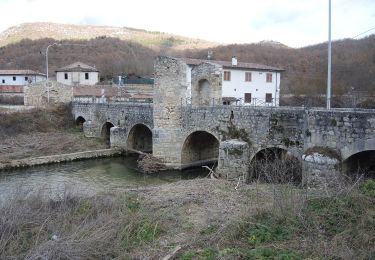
[(124, 116), (38, 94), (206, 84), (169, 89), (233, 159)]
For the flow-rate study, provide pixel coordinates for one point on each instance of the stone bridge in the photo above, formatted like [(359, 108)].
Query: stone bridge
[(234, 136), (185, 134)]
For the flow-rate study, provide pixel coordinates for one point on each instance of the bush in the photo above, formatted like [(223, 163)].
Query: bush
[(36, 120), (368, 188)]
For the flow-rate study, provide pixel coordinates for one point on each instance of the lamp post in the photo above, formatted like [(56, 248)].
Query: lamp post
[(329, 59), (47, 86), (57, 44)]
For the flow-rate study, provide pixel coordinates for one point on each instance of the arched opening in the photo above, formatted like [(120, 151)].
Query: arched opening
[(204, 92), (275, 165), (199, 148), (79, 122), (106, 132), (140, 139), (360, 164)]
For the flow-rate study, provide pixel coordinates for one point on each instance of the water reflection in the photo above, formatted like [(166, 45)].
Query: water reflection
[(85, 177)]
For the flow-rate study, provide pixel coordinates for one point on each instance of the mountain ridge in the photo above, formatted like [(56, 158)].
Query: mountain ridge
[(58, 31)]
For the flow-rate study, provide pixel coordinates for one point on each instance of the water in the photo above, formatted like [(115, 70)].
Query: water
[(85, 177)]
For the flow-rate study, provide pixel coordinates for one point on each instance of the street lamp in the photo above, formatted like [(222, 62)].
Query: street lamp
[(53, 44), (329, 59)]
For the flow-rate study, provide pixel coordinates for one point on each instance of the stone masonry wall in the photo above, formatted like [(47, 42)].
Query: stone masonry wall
[(37, 94), (206, 85), (169, 89), (123, 116)]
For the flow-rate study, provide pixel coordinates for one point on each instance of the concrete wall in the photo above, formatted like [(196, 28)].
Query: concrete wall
[(39, 93)]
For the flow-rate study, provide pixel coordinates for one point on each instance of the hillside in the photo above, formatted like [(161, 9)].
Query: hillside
[(36, 31), (353, 64), (353, 61)]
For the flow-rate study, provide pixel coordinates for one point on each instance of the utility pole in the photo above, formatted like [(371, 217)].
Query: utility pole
[(329, 59)]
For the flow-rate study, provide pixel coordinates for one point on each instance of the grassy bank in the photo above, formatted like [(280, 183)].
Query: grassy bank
[(40, 132), (208, 219)]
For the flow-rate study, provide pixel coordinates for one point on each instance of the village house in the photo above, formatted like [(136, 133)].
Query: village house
[(243, 83), (20, 77), (77, 73), (12, 84)]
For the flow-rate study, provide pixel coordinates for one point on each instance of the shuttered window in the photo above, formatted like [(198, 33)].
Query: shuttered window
[(227, 75), (248, 76), (269, 77)]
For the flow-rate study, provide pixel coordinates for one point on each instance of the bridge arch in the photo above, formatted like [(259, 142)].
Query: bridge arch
[(360, 163), (140, 138), (79, 122), (275, 165), (106, 131), (199, 147)]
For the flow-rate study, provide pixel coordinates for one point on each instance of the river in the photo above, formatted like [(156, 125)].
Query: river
[(87, 177)]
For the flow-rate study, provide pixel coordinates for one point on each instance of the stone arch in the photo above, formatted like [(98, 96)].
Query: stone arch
[(360, 163), (140, 138), (106, 131), (199, 148), (275, 165), (79, 122)]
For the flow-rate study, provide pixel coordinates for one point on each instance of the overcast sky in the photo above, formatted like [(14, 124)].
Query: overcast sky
[(293, 22)]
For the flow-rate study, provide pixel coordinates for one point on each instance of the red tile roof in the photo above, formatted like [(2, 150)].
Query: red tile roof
[(11, 89)]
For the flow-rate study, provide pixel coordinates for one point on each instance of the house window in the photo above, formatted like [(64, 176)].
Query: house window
[(86, 75), (65, 75), (247, 76), (269, 77), (227, 75), (26, 78), (247, 97), (268, 98), (14, 78), (3, 81)]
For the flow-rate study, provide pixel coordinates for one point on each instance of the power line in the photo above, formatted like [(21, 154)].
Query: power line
[(364, 32)]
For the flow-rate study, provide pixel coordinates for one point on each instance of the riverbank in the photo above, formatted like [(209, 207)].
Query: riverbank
[(191, 219), (38, 132), (58, 158)]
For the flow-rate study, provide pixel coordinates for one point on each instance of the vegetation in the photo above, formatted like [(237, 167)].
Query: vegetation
[(305, 68), (41, 132), (146, 224), (37, 120)]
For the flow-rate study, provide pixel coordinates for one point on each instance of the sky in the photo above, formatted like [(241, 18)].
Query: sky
[(296, 23)]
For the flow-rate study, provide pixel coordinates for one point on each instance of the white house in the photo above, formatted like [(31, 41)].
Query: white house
[(244, 83), (20, 77), (77, 73)]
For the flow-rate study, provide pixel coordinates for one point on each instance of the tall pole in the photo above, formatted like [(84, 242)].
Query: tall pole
[(329, 59), (55, 43)]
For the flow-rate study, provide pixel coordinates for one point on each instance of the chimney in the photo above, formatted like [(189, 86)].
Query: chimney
[(234, 61), (209, 55)]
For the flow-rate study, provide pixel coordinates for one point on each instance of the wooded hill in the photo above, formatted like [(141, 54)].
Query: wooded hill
[(353, 61)]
